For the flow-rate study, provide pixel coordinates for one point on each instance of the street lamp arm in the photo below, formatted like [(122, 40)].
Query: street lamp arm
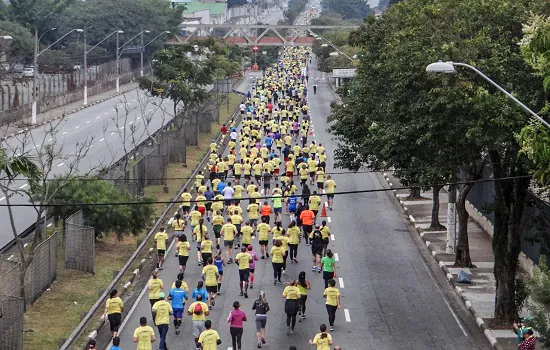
[(99, 43), (55, 42), (155, 38), (340, 51), (510, 96), (132, 38)]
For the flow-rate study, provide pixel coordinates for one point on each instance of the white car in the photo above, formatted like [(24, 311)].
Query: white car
[(28, 72)]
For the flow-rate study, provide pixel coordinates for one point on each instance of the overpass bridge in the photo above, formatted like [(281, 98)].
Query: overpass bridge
[(271, 35)]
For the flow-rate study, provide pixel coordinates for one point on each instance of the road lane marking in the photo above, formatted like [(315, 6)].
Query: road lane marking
[(88, 122), (51, 138), (122, 128), (346, 314), (329, 219), (138, 118), (336, 258), (332, 237), (131, 123), (66, 132), (341, 281), (1, 199), (101, 140), (77, 127), (445, 300), (113, 133), (91, 146), (60, 164), (98, 117), (23, 186)]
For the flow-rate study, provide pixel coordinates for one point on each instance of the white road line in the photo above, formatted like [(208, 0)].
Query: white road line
[(113, 133), (326, 203), (91, 146), (121, 128), (60, 164), (101, 140), (88, 122), (445, 300), (329, 219), (332, 237), (98, 117), (341, 281), (346, 313), (138, 118), (51, 138), (50, 224), (66, 132), (77, 127), (336, 258), (1, 199), (23, 186), (131, 123)]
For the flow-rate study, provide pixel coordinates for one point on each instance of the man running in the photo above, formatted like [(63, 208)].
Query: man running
[(244, 259), (178, 296)]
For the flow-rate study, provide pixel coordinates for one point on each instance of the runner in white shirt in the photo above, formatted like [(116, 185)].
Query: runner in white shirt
[(228, 193)]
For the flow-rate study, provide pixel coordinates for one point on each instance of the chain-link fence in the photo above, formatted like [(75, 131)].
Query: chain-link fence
[(43, 269), (79, 244), (11, 322)]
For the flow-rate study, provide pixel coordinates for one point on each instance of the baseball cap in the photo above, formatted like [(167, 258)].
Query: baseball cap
[(162, 295)]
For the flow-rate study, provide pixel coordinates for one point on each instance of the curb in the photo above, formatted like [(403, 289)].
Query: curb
[(29, 127), (479, 321)]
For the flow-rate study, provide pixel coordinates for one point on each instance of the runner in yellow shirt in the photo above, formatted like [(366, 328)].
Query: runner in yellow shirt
[(332, 294), (322, 340), (160, 242), (330, 185), (183, 247), (209, 339), (144, 335)]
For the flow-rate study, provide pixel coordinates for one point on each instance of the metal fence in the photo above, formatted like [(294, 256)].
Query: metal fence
[(535, 221), (11, 322), (43, 269), (79, 244)]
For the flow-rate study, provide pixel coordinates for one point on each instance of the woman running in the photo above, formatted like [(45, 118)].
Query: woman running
[(252, 266), (329, 267), (183, 247), (292, 296), (277, 260), (293, 241), (206, 248), (322, 340), (261, 307), (303, 286), (220, 263), (236, 319)]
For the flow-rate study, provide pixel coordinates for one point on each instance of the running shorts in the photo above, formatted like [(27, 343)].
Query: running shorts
[(178, 313), (114, 321), (183, 260), (161, 252), (244, 274), (228, 243), (212, 289)]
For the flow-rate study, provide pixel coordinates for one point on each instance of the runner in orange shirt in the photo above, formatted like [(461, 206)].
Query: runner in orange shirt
[(266, 212), (307, 217)]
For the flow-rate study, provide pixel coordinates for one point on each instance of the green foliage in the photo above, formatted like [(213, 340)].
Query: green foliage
[(349, 9), (539, 304), (340, 39), (36, 14), (295, 7), (13, 166), (118, 219), (20, 49), (535, 142)]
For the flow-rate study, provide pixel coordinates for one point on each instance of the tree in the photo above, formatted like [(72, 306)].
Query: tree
[(349, 9), (36, 14), (20, 49), (539, 306), (293, 10), (105, 219), (439, 124)]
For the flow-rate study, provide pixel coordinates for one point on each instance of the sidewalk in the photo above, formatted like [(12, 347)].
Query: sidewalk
[(479, 296), (56, 113)]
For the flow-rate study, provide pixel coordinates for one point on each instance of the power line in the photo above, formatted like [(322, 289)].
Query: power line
[(53, 205)]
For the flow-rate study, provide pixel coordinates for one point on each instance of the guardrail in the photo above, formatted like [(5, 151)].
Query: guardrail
[(141, 248)]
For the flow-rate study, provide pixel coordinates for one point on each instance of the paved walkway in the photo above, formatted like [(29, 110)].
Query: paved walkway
[(479, 296), (41, 118)]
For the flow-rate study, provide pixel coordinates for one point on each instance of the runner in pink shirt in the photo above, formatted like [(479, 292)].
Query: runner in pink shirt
[(235, 320), (252, 265)]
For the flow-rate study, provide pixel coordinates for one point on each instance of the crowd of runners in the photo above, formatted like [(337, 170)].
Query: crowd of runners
[(273, 171)]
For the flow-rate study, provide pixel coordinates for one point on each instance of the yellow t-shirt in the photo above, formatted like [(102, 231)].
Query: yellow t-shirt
[(322, 343), (314, 202), (277, 254), (237, 169), (238, 191), (246, 232), (144, 335), (294, 235), (183, 248), (163, 309), (161, 238), (195, 217), (244, 260), (284, 240), (217, 220), (332, 293), (325, 231), (206, 246), (114, 305), (329, 186), (186, 199), (184, 286), (263, 231), (178, 225), (253, 211), (197, 232), (277, 232), (209, 339), (320, 175), (229, 231), (291, 293), (155, 287), (210, 273), (201, 317)]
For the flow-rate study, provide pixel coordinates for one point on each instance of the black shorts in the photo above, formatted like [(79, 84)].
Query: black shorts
[(328, 275), (311, 174), (227, 202), (252, 270), (209, 206), (212, 289), (267, 185), (315, 212), (244, 274), (206, 256), (183, 260), (185, 208), (253, 222), (316, 250), (320, 185), (247, 177), (238, 226), (228, 243), (161, 252), (115, 320), (258, 177), (266, 242), (217, 230), (237, 176), (307, 228)]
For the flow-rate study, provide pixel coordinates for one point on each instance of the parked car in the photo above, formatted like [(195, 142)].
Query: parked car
[(28, 72), (77, 67), (18, 68)]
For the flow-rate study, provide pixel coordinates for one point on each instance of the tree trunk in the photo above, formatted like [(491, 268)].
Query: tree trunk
[(415, 193), (462, 258), (435, 225), (508, 207)]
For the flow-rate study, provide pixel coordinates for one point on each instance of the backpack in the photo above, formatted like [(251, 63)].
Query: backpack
[(198, 309)]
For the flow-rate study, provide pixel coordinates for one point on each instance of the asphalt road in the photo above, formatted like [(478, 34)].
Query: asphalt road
[(390, 299), (97, 124)]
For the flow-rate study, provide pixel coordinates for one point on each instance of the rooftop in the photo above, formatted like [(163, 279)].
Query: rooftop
[(216, 8)]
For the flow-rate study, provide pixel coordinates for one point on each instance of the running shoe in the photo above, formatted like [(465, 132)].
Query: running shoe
[(287, 330), (213, 302), (263, 340), (314, 268), (246, 295), (331, 328), (259, 345)]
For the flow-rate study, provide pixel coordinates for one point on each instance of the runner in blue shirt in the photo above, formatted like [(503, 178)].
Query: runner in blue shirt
[(200, 290), (292, 202), (209, 197), (221, 186), (219, 262), (268, 142), (178, 297)]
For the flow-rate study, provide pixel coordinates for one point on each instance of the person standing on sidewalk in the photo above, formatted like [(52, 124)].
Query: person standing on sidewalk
[(261, 306), (235, 320), (162, 310), (144, 335), (332, 294)]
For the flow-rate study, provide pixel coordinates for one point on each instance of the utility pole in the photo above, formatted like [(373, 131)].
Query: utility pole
[(141, 55), (117, 68), (85, 70), (34, 78), (450, 244)]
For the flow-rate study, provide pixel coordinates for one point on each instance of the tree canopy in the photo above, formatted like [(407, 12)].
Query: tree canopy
[(427, 125), (349, 9)]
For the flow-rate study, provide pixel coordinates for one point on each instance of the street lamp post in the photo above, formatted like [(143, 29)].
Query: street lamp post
[(335, 48), (117, 68), (144, 46), (86, 52), (119, 52), (35, 68)]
